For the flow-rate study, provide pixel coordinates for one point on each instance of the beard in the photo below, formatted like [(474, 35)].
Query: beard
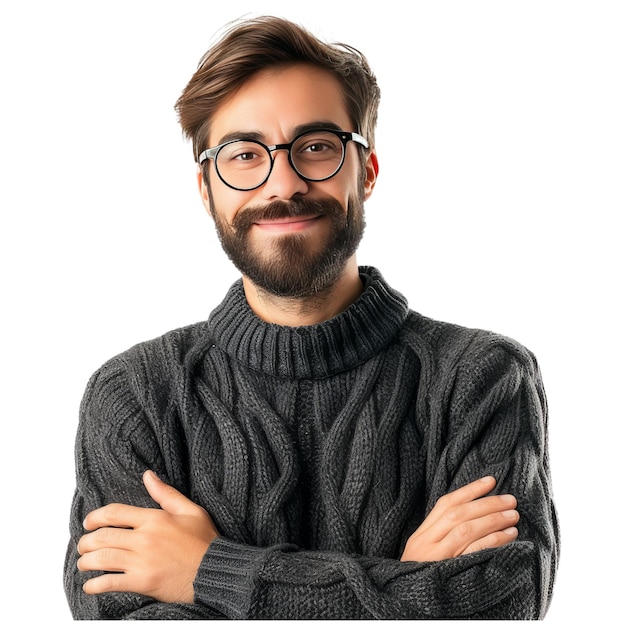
[(290, 267)]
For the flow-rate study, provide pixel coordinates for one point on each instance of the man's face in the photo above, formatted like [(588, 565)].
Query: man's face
[(290, 237)]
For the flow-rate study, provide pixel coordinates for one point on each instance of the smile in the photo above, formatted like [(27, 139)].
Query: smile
[(288, 224)]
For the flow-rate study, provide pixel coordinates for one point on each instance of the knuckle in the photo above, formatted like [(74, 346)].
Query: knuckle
[(463, 531), (90, 541), (105, 536), (146, 543), (452, 515), (111, 512), (490, 541), (488, 505), (106, 559), (110, 582)]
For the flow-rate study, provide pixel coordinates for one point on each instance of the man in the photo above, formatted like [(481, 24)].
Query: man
[(317, 449)]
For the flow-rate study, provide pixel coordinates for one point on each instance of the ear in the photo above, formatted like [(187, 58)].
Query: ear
[(204, 192), (371, 174)]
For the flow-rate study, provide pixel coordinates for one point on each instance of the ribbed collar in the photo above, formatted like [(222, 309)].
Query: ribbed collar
[(317, 351)]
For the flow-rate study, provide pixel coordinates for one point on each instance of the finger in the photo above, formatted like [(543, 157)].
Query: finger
[(464, 504), (115, 514), (103, 584), (480, 508), (480, 513), (475, 530), (167, 497), (109, 582), (106, 560), (469, 492), (462, 518), (494, 540), (105, 538), (106, 583)]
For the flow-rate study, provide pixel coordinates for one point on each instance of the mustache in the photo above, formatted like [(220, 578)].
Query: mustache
[(280, 209)]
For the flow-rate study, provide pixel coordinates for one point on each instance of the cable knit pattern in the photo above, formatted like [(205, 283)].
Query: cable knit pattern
[(318, 450)]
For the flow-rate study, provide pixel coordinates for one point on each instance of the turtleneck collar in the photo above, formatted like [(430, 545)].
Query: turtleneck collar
[(316, 351)]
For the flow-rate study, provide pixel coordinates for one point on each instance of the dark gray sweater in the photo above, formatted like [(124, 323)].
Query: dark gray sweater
[(317, 451)]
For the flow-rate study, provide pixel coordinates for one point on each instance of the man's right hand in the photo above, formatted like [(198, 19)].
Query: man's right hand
[(464, 521), (155, 552)]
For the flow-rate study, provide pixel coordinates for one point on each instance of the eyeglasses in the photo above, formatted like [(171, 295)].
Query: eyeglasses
[(246, 164)]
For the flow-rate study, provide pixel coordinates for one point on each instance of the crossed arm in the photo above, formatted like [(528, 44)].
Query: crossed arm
[(157, 552), (169, 562)]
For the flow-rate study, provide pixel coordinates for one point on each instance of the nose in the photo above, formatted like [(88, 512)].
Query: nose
[(283, 182)]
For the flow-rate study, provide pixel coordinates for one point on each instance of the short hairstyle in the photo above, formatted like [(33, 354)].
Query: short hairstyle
[(263, 42)]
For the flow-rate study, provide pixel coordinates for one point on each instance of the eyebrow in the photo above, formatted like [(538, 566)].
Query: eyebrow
[(298, 130)]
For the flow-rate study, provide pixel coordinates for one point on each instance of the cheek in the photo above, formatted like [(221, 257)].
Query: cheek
[(227, 202), (224, 201), (347, 185)]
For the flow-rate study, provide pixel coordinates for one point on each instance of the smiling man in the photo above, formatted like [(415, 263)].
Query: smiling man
[(316, 449)]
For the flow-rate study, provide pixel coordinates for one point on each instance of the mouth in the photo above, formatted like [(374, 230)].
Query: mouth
[(288, 224)]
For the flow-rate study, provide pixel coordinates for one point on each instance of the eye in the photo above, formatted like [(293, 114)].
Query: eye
[(245, 156), (318, 146), (242, 153)]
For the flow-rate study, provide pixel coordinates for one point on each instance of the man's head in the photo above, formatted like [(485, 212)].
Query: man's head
[(288, 208)]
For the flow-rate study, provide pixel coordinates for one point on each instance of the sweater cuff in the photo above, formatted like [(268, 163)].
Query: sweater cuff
[(226, 576)]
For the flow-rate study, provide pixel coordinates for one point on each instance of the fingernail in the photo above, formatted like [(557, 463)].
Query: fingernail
[(511, 531)]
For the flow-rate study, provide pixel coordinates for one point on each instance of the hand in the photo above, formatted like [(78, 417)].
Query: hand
[(155, 552), (464, 521)]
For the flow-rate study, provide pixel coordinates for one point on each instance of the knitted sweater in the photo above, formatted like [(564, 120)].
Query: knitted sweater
[(317, 451)]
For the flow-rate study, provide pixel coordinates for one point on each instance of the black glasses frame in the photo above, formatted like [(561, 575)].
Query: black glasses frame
[(345, 137)]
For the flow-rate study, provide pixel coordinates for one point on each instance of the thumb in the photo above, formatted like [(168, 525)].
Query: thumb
[(166, 496)]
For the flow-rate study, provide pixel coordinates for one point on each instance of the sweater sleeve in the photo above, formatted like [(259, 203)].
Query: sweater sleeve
[(488, 417)]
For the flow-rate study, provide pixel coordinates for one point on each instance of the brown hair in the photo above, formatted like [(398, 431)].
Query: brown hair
[(262, 42)]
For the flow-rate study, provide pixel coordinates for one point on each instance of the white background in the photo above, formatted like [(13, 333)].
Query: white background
[(499, 205)]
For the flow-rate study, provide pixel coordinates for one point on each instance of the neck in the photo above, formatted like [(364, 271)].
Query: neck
[(308, 310)]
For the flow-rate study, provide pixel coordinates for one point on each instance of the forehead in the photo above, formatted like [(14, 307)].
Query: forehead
[(276, 101)]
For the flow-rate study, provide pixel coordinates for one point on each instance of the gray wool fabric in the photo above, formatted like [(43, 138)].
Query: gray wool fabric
[(317, 451)]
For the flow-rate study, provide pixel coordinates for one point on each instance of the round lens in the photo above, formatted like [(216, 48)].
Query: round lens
[(317, 155), (243, 165)]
